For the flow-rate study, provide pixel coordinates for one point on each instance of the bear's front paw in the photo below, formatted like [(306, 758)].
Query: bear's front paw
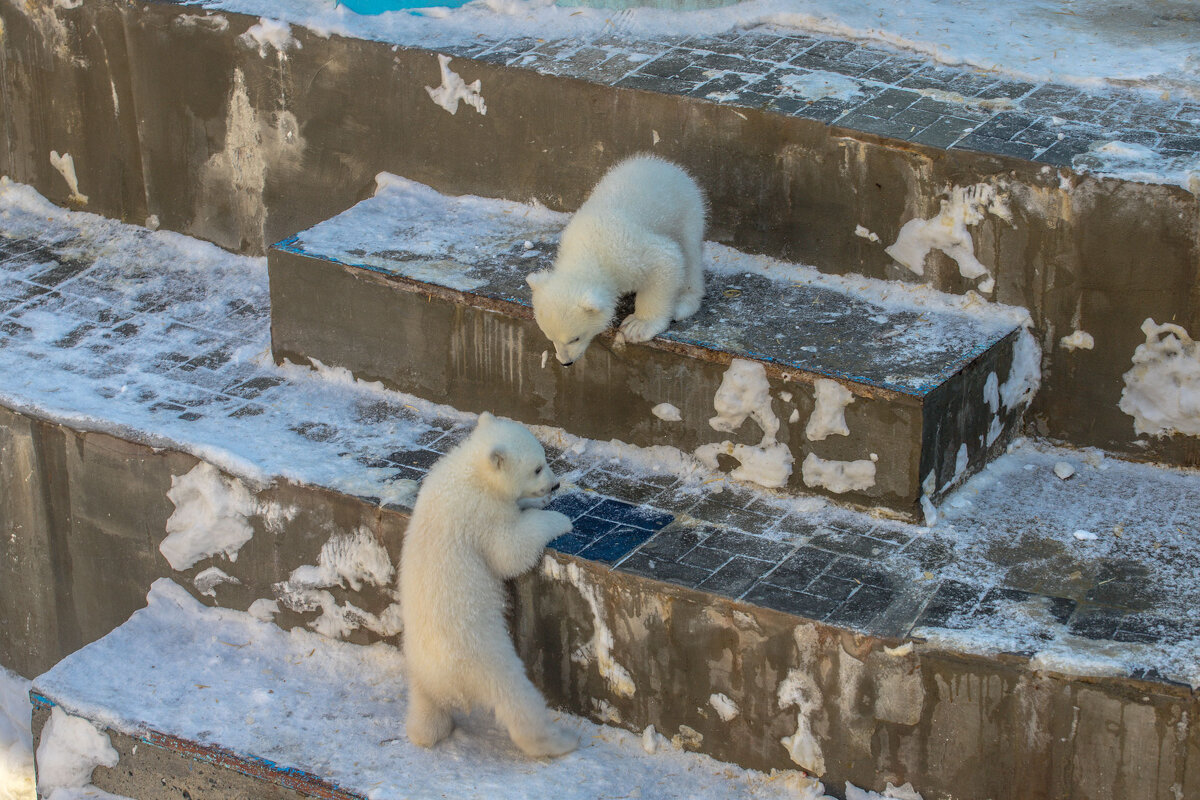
[(551, 742), (557, 524), (641, 330)]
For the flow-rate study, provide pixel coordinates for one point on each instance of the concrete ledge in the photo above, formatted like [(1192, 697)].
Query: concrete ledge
[(315, 134), (955, 725), (378, 291)]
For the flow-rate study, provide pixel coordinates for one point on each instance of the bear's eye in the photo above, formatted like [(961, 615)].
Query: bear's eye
[(573, 341), (537, 471)]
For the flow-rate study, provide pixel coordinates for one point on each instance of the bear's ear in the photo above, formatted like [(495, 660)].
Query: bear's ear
[(485, 419), (535, 279), (591, 303), (497, 457)]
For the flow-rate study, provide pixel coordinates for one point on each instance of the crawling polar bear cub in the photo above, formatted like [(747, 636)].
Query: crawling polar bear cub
[(641, 230), (477, 522)]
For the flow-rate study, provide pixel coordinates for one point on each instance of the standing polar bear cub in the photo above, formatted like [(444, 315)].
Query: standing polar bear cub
[(477, 522), (641, 230)]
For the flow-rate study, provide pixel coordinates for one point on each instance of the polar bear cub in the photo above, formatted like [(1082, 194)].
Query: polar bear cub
[(476, 523), (641, 230)]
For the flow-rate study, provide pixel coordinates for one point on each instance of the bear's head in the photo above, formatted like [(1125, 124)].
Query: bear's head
[(570, 315), (512, 462)]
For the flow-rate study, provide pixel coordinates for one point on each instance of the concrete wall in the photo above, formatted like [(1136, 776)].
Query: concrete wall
[(167, 113), (83, 515)]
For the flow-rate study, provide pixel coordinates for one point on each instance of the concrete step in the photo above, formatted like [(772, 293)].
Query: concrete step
[(139, 391), (878, 396), (205, 702), (799, 140)]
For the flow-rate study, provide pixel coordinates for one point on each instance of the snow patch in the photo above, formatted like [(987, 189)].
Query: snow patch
[(206, 581), (1063, 470), (1162, 389), (1078, 340), (70, 749), (726, 709), (666, 412), (16, 741), (599, 647), (454, 88), (839, 476), (829, 416), (820, 85), (799, 690), (1025, 374), (263, 609), (211, 516), (904, 792), (346, 560), (268, 34), (964, 206), (863, 233), (744, 392), (65, 164)]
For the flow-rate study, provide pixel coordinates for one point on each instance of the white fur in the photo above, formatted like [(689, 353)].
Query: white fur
[(472, 529), (640, 231)]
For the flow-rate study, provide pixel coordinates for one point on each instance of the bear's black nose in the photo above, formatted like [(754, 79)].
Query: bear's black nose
[(567, 363), (554, 488)]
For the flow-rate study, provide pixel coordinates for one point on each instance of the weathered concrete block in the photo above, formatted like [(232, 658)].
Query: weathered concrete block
[(381, 291)]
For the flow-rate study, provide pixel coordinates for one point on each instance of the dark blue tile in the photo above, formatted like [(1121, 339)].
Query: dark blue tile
[(418, 459), (705, 558), (615, 545), (634, 516), (573, 504), (798, 603), (735, 577), (800, 568), (658, 569), (746, 545), (867, 603), (592, 528), (569, 543), (952, 598), (670, 544)]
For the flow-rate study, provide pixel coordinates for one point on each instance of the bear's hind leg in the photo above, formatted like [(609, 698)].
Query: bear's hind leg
[(428, 722), (521, 709)]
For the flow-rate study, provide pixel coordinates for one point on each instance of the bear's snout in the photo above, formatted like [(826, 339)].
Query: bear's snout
[(554, 488)]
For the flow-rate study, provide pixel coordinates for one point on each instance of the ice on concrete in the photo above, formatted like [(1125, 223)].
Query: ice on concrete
[(270, 34), (1162, 388), (211, 516), (744, 393), (799, 690), (964, 207), (726, 709), (1077, 340), (454, 89), (346, 560), (828, 418), (65, 164), (16, 741), (277, 695), (902, 792), (839, 476), (599, 648), (207, 581), (70, 749), (1025, 374), (666, 412)]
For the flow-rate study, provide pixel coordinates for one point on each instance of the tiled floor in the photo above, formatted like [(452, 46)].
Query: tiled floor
[(162, 339), (895, 95)]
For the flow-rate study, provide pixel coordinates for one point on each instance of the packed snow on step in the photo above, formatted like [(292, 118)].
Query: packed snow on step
[(220, 677), (1088, 44), (16, 741), (1140, 513)]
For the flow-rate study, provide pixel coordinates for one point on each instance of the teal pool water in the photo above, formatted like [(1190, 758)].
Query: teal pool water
[(379, 6)]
